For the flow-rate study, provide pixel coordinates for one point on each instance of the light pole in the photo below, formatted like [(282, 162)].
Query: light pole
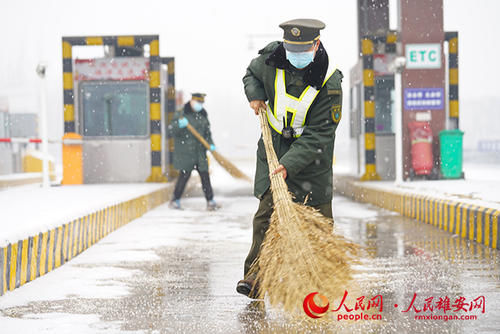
[(40, 70), (397, 66)]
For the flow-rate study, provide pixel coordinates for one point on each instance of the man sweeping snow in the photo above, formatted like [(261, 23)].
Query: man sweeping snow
[(304, 100)]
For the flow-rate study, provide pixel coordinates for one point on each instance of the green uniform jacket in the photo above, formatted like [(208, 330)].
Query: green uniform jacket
[(189, 153), (308, 159)]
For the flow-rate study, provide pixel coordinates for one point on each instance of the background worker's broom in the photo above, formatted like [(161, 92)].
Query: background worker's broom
[(300, 253), (225, 163)]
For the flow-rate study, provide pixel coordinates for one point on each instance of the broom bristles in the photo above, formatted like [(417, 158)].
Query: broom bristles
[(230, 167), (300, 253), (225, 163)]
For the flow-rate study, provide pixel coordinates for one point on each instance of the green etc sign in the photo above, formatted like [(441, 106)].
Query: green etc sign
[(423, 56)]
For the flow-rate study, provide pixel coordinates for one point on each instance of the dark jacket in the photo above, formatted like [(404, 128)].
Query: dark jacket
[(308, 159), (189, 153)]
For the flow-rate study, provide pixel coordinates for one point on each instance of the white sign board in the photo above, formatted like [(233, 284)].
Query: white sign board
[(423, 56)]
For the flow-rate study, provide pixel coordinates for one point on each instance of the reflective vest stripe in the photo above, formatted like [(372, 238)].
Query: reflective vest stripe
[(285, 103)]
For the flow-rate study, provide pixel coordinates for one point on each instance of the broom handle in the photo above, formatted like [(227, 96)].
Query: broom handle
[(198, 136), (232, 169), (272, 158)]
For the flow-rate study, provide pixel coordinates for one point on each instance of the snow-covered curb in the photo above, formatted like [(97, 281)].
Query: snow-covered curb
[(71, 219), (468, 218)]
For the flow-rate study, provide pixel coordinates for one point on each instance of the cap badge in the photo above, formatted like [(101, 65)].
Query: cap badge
[(295, 31)]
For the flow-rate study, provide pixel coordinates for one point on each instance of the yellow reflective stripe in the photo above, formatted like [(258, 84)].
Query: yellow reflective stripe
[(453, 45), (454, 108), (155, 142), (67, 80), (65, 243), (275, 94), (271, 123), (94, 40), (369, 141), (368, 77), (495, 230), (453, 76), (154, 79), (50, 262), (66, 46), (155, 111), (366, 46), (13, 266), (154, 48), (293, 112), (299, 99), (70, 240), (43, 253), (309, 107), (69, 113), (125, 41), (24, 262), (34, 258), (391, 38), (369, 109), (58, 247)]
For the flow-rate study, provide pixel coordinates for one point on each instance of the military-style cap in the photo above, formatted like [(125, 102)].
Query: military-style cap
[(300, 34), (198, 97)]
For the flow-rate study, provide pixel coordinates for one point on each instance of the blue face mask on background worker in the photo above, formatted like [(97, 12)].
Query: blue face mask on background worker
[(300, 59), (197, 106)]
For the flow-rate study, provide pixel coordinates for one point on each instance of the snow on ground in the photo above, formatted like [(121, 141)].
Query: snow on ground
[(28, 210)]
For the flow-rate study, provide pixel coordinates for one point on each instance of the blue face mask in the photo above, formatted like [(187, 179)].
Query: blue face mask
[(300, 59), (197, 106)]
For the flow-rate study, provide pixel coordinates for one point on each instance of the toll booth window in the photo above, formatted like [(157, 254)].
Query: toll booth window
[(383, 104), (114, 109)]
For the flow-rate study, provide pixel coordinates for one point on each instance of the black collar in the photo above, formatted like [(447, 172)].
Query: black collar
[(314, 73)]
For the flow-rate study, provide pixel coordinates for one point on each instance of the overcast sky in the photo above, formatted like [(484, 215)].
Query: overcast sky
[(213, 42)]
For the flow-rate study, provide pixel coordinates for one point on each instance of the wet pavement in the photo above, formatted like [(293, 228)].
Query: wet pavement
[(175, 272)]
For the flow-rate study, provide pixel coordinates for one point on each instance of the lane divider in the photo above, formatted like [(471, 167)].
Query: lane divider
[(28, 259), (470, 222)]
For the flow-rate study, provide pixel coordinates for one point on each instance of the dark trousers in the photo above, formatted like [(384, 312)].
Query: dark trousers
[(261, 224), (183, 179)]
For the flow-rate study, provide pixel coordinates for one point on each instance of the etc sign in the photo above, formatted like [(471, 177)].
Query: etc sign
[(423, 56)]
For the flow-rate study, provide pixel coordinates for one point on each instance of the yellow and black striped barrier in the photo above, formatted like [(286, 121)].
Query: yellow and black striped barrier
[(367, 49), (468, 221), (169, 113), (452, 38), (136, 42), (390, 42), (28, 259)]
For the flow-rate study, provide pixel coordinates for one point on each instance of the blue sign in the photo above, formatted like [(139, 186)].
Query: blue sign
[(424, 98)]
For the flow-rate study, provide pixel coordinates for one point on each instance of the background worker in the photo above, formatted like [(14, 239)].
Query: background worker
[(304, 97), (189, 153)]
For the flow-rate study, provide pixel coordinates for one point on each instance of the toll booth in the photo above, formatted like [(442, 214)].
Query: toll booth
[(427, 94), (113, 118), (119, 105)]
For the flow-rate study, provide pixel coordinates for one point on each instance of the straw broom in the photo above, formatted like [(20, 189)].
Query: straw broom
[(225, 163), (300, 253)]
